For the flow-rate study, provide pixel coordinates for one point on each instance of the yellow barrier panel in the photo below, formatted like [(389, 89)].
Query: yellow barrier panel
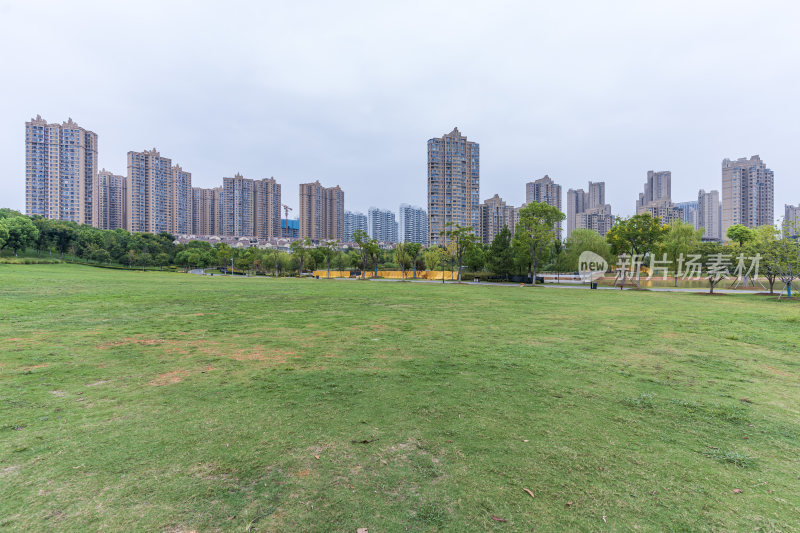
[(391, 274)]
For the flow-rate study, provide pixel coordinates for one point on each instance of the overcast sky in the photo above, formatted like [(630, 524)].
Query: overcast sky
[(349, 92)]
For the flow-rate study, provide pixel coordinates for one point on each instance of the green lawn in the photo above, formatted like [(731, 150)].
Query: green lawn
[(163, 401)]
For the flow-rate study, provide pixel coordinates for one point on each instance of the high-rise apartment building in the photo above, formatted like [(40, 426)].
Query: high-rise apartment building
[(709, 215), (413, 224), (202, 221), (180, 205), (112, 201), (453, 184), (149, 194), (748, 195), (593, 201), (61, 171), (382, 225), (656, 200), (658, 188), (354, 222), (267, 209), (238, 206), (321, 212), (688, 212), (545, 191), (597, 218), (791, 220), (495, 215)]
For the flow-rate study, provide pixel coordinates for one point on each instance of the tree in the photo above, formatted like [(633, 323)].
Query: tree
[(638, 236), (475, 257), (328, 250), (3, 235), (402, 257), (740, 233), (499, 257), (22, 233), (44, 240), (413, 249), (788, 258), (680, 238), (63, 235), (367, 249), (460, 240), (299, 249), (434, 258), (537, 229), (583, 240), (223, 254), (765, 244)]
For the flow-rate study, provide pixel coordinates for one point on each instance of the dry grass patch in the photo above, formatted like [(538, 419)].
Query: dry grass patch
[(169, 378)]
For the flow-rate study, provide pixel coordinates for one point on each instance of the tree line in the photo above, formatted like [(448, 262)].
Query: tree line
[(531, 248)]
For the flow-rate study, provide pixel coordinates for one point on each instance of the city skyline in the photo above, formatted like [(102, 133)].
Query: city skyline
[(275, 106)]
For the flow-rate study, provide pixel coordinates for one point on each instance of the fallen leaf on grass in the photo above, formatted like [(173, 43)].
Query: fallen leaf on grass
[(362, 530), (529, 493), (498, 519), (746, 400), (316, 457), (604, 518), (365, 441), (568, 504), (737, 491)]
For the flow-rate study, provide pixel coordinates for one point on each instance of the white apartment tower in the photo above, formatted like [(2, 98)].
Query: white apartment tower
[(382, 225), (413, 224), (709, 215), (61, 171), (354, 222)]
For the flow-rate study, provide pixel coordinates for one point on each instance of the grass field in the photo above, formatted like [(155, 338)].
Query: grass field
[(149, 401)]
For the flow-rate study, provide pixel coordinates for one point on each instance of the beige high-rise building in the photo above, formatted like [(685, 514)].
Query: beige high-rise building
[(545, 191), (594, 201), (238, 207), (180, 206), (112, 201), (61, 171), (709, 214), (149, 198), (268, 208), (495, 215), (658, 188), (791, 220), (321, 212), (748, 195), (453, 185), (656, 200), (597, 218), (204, 209)]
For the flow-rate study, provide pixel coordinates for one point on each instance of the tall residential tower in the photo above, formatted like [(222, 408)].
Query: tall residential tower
[(748, 195), (61, 171), (453, 184)]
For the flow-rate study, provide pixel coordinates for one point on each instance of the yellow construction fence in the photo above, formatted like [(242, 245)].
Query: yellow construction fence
[(392, 274)]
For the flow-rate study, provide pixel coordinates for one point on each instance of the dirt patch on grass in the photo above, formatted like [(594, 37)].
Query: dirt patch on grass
[(98, 383), (778, 372), (31, 367), (259, 354), (169, 378), (131, 341)]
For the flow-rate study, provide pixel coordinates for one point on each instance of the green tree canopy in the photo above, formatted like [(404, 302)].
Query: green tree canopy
[(537, 230)]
